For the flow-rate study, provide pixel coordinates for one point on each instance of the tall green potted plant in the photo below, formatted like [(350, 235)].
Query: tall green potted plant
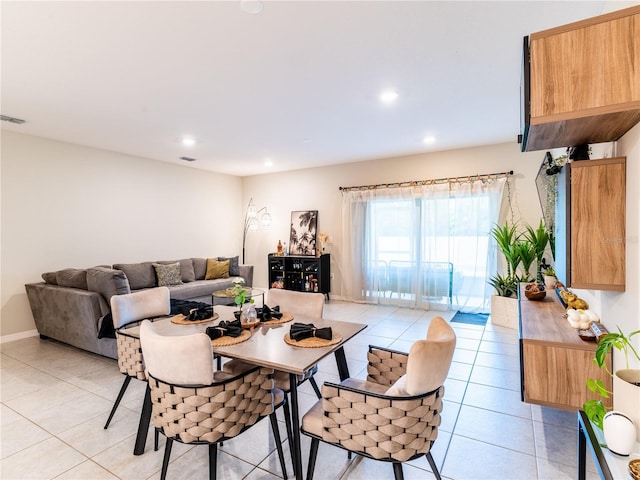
[(538, 239), (504, 305)]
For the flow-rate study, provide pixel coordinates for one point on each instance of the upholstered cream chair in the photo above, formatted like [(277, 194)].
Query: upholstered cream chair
[(125, 310), (193, 404), (394, 415)]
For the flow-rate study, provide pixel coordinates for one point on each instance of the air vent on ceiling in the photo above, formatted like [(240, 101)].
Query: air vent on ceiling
[(188, 159), (6, 118)]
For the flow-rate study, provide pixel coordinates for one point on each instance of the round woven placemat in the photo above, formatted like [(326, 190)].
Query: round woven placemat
[(634, 469), (182, 320), (286, 317), (227, 341), (313, 342)]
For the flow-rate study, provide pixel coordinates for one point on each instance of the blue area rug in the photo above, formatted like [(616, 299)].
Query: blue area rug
[(471, 318)]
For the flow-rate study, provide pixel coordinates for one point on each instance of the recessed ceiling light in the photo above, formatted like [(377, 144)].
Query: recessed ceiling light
[(251, 6), (429, 139), (188, 142), (388, 96)]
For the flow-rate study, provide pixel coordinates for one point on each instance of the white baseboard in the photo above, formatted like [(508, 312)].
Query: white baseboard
[(18, 336)]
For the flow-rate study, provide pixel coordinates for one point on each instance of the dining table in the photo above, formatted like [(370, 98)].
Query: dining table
[(267, 348)]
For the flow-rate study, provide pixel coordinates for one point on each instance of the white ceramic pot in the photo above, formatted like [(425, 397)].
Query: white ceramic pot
[(626, 395), (619, 433), (550, 282)]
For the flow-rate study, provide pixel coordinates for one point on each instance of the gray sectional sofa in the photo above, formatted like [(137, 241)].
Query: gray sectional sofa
[(72, 304)]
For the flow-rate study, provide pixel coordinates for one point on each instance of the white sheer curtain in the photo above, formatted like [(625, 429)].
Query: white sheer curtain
[(421, 246)]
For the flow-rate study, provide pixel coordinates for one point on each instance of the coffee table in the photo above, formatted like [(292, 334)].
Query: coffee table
[(225, 297)]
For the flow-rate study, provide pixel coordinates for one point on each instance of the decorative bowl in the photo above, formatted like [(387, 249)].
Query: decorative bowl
[(534, 291)]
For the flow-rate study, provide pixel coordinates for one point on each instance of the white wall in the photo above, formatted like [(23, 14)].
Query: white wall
[(66, 206), (317, 189)]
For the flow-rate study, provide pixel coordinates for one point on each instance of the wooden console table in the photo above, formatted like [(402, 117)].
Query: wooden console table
[(555, 362)]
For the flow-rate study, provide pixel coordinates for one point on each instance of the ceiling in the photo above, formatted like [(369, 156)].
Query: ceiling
[(297, 83)]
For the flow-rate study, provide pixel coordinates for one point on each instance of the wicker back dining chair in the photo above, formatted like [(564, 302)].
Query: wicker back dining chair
[(394, 415), (193, 404), (127, 309)]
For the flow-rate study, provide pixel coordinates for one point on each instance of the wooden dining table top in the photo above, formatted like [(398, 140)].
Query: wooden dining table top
[(267, 346)]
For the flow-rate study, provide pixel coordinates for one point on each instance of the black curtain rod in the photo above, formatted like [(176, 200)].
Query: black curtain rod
[(464, 178)]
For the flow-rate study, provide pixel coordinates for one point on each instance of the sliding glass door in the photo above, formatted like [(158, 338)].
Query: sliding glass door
[(424, 246)]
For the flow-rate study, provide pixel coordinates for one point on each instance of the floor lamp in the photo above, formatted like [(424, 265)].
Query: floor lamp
[(251, 222)]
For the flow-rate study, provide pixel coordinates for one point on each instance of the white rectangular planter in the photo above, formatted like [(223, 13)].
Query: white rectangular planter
[(504, 311)]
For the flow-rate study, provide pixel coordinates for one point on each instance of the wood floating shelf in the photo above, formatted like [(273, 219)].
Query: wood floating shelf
[(584, 81)]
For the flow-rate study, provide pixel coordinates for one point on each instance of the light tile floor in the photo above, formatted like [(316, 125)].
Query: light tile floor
[(55, 400)]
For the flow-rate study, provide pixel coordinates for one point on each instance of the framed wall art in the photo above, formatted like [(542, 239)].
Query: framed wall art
[(304, 227)]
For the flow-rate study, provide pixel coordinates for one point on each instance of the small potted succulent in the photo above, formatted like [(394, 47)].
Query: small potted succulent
[(550, 279)]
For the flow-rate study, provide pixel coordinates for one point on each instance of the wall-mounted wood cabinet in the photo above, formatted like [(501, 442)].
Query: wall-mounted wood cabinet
[(583, 82), (590, 224)]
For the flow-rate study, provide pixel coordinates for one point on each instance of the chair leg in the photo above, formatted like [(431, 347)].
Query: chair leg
[(218, 362), (165, 460), (432, 463), (397, 471), (156, 439), (276, 436), (213, 460), (123, 389), (313, 453), (315, 386)]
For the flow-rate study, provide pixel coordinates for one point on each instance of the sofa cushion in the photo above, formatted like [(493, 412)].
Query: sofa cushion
[(50, 278), (72, 277), (217, 269), (168, 274), (199, 267), (107, 281), (234, 269), (186, 269), (140, 275)]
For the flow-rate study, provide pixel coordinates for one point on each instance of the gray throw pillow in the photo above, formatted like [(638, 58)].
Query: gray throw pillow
[(72, 277), (186, 269), (50, 278), (108, 282), (168, 274), (199, 267), (234, 269), (140, 275)]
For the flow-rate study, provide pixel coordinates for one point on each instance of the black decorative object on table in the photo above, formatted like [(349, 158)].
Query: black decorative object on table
[(202, 313), (265, 313), (300, 331), (230, 329)]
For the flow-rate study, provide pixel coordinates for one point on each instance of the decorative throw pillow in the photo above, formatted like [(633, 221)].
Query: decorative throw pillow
[(168, 274), (234, 269), (217, 269), (107, 281), (50, 278), (141, 275), (186, 269), (72, 277)]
